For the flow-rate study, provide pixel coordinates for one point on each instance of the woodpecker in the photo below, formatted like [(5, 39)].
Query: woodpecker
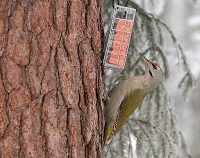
[(127, 95)]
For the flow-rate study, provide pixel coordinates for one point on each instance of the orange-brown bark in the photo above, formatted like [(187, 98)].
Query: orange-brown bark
[(51, 78)]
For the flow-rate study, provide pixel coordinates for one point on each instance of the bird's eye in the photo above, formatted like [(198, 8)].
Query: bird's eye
[(154, 66)]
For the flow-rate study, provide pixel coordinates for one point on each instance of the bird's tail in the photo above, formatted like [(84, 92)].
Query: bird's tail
[(108, 132)]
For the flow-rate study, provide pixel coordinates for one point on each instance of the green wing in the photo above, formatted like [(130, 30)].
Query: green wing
[(128, 106)]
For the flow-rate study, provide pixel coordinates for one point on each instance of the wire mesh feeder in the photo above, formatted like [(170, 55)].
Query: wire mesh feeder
[(118, 39)]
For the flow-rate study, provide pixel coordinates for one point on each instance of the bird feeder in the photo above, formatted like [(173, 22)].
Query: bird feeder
[(118, 39)]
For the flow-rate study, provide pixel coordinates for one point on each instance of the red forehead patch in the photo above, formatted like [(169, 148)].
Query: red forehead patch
[(155, 64)]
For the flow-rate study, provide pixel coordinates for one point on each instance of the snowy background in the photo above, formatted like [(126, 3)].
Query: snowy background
[(183, 17)]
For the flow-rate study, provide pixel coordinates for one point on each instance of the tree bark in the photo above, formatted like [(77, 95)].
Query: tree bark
[(51, 78)]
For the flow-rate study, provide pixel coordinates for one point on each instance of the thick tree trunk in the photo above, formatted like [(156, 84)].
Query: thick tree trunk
[(50, 78)]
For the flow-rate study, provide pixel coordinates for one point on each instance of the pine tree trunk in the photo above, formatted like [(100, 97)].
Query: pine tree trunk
[(51, 79)]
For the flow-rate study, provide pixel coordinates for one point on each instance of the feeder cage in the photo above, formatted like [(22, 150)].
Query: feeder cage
[(118, 37)]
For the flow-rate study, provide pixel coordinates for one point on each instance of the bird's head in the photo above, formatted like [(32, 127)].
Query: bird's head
[(153, 73)]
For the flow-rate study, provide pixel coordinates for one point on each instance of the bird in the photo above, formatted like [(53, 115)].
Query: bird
[(127, 95)]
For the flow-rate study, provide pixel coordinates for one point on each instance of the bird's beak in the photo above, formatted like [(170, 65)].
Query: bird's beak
[(146, 61)]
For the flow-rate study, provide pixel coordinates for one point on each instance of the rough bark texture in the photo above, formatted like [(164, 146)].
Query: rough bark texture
[(50, 78)]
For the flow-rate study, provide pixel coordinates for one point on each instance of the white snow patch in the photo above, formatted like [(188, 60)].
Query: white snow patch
[(194, 20)]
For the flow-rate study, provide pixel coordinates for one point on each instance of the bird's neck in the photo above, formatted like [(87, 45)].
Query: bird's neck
[(151, 83)]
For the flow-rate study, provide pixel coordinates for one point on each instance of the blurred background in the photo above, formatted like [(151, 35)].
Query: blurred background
[(183, 17)]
